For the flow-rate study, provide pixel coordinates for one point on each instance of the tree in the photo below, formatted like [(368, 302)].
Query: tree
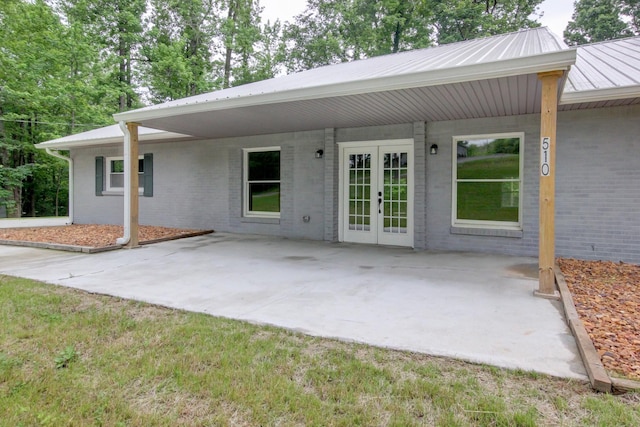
[(240, 32), (177, 50), (598, 20), (331, 31), (631, 9), (459, 20), (115, 29), (344, 30), (49, 87)]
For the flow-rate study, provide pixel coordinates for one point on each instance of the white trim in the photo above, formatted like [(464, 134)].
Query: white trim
[(559, 60), (73, 141), (246, 213), (497, 225), (374, 146), (119, 190), (598, 95)]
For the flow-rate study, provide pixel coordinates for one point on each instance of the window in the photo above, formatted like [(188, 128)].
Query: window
[(115, 173), (262, 182), (110, 175), (487, 181)]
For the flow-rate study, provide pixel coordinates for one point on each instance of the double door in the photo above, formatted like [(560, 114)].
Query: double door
[(377, 193)]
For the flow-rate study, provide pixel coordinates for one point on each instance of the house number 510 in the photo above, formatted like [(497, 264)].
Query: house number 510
[(545, 156)]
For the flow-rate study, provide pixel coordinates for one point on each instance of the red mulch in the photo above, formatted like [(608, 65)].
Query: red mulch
[(607, 298), (95, 236)]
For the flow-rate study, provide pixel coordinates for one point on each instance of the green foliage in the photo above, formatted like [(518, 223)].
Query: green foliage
[(600, 20), (343, 30), (65, 357), (145, 365), (459, 20)]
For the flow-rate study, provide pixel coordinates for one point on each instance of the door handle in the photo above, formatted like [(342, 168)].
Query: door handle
[(379, 202)]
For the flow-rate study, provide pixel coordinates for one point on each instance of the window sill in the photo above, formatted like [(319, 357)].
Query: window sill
[(259, 220), (120, 193), (488, 232)]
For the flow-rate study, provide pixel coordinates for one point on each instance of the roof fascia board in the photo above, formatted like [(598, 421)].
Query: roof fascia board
[(152, 137), (560, 60), (597, 95)]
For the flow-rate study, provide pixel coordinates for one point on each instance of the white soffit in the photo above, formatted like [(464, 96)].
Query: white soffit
[(605, 71), (520, 53), (108, 135)]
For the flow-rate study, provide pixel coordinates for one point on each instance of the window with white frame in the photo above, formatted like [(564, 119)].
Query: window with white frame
[(115, 173), (487, 180), (262, 182)]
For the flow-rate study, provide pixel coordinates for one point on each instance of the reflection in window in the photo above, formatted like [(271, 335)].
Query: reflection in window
[(487, 180), (262, 182), (115, 179)]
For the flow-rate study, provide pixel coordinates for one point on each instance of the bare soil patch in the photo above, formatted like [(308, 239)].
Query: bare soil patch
[(91, 235), (607, 298)]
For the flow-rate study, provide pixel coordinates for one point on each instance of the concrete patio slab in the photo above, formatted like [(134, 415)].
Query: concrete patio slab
[(469, 306)]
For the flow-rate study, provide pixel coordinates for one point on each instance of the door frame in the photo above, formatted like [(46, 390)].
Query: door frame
[(341, 179)]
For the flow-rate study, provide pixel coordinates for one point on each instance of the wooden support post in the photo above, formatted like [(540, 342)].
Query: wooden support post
[(133, 167), (546, 245)]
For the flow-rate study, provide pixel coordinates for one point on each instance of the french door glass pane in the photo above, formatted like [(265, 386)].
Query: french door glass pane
[(395, 190), (359, 191)]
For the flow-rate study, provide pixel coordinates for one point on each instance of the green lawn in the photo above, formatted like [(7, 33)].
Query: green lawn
[(68, 358)]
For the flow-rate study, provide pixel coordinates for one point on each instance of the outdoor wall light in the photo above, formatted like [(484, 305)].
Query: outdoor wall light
[(319, 154), (433, 149)]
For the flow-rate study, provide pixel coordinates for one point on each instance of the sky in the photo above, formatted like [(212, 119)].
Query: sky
[(556, 13)]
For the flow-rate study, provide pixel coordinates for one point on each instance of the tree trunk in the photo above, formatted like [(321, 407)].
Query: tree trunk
[(229, 45)]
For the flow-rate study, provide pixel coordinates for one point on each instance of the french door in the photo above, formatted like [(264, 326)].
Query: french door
[(377, 193)]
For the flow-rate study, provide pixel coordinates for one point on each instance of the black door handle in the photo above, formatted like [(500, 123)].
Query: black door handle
[(379, 202)]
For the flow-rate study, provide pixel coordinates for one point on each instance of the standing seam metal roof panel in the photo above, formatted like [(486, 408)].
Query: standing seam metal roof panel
[(503, 47), (605, 65)]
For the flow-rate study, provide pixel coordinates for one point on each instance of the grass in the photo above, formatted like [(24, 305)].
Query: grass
[(72, 358)]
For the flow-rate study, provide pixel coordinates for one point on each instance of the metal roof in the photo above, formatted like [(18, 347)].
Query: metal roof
[(109, 135), (494, 76), (604, 72), (387, 89), (454, 56)]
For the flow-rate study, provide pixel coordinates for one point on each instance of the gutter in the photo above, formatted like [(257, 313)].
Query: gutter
[(127, 186), (69, 161)]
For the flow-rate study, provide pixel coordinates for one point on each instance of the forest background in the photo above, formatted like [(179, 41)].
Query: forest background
[(67, 65)]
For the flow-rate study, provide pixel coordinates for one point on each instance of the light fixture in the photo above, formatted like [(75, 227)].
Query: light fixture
[(433, 150), (319, 154)]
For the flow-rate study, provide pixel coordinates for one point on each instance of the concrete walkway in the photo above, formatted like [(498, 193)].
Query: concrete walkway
[(469, 306)]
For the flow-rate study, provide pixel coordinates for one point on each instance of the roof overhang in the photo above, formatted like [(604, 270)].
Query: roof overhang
[(432, 95), (110, 135), (599, 95)]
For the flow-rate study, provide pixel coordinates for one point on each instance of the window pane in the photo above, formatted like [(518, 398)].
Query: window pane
[(264, 197), (117, 166), (488, 201), (489, 158), (264, 165), (116, 180)]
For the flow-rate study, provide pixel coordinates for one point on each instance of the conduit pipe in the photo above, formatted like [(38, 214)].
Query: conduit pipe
[(69, 160), (127, 185)]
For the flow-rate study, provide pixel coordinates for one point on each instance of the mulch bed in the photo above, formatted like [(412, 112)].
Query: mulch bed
[(94, 236), (607, 298)]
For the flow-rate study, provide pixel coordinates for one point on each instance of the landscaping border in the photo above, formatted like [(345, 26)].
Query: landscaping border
[(95, 250), (598, 376)]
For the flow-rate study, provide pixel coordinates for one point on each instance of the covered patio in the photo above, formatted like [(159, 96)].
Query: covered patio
[(470, 306)]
